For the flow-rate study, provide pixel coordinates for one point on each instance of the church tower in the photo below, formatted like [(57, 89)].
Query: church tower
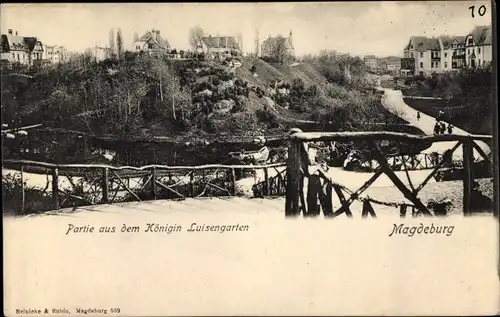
[(290, 37)]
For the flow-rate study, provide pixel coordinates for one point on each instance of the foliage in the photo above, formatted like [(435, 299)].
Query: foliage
[(277, 50), (35, 199), (467, 97), (195, 35)]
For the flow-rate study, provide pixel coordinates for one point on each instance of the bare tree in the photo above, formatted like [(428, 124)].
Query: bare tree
[(112, 42), (240, 41), (278, 49), (195, 35), (87, 57), (119, 43)]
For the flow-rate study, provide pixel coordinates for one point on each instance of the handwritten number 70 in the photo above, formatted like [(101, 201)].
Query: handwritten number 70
[(481, 10)]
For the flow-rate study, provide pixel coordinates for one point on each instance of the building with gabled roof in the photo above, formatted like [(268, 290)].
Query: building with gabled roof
[(215, 45), (151, 42), (423, 55), (268, 46), (371, 61), (478, 46), (20, 49), (453, 55)]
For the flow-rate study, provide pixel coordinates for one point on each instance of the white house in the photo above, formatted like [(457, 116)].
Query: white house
[(151, 42), (20, 49), (478, 47), (422, 56), (371, 61), (54, 53)]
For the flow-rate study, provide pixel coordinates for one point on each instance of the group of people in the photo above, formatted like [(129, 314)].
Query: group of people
[(440, 127)]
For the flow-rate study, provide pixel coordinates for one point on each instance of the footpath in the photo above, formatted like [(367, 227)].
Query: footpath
[(393, 101)]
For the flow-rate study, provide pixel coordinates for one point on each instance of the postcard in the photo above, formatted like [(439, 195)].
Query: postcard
[(253, 159)]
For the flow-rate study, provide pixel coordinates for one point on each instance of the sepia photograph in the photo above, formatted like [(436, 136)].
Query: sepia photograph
[(219, 126)]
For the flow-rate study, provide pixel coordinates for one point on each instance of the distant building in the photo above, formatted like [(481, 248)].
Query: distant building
[(453, 52), (393, 64), (54, 54), (423, 55), (213, 45), (19, 49), (458, 52), (99, 53), (151, 42), (371, 61), (426, 55), (478, 47), (268, 46)]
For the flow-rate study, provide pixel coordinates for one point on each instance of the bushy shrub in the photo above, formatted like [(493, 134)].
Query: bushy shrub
[(35, 200)]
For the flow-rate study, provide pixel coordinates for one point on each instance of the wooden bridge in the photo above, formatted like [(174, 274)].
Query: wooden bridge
[(307, 185)]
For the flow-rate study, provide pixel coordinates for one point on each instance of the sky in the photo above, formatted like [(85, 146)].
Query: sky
[(358, 28)]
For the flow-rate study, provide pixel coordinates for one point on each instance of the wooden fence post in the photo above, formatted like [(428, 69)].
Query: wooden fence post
[(233, 181), (402, 211), (105, 185), (266, 179), (468, 161), (191, 183), (293, 189), (22, 189), (55, 188), (153, 182)]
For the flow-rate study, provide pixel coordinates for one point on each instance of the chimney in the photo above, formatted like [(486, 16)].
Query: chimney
[(154, 34), (10, 31)]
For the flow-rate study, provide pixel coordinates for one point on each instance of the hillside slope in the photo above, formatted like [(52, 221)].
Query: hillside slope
[(142, 96)]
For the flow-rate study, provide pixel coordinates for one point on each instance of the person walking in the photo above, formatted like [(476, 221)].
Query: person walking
[(436, 128), (450, 129), (443, 128), (418, 116)]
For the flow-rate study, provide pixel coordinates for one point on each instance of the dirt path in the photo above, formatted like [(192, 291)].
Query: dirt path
[(393, 101)]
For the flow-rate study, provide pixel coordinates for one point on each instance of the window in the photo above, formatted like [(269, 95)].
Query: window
[(445, 55), (150, 45), (470, 41), (432, 65), (411, 54), (421, 54), (445, 64), (421, 65), (13, 56), (479, 50), (137, 47), (468, 51), (18, 57)]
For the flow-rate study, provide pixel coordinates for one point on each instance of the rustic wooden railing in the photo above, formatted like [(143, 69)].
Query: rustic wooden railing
[(320, 186), (100, 184), (271, 186)]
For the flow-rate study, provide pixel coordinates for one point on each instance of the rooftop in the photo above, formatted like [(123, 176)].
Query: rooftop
[(148, 36), (220, 42), (482, 35)]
